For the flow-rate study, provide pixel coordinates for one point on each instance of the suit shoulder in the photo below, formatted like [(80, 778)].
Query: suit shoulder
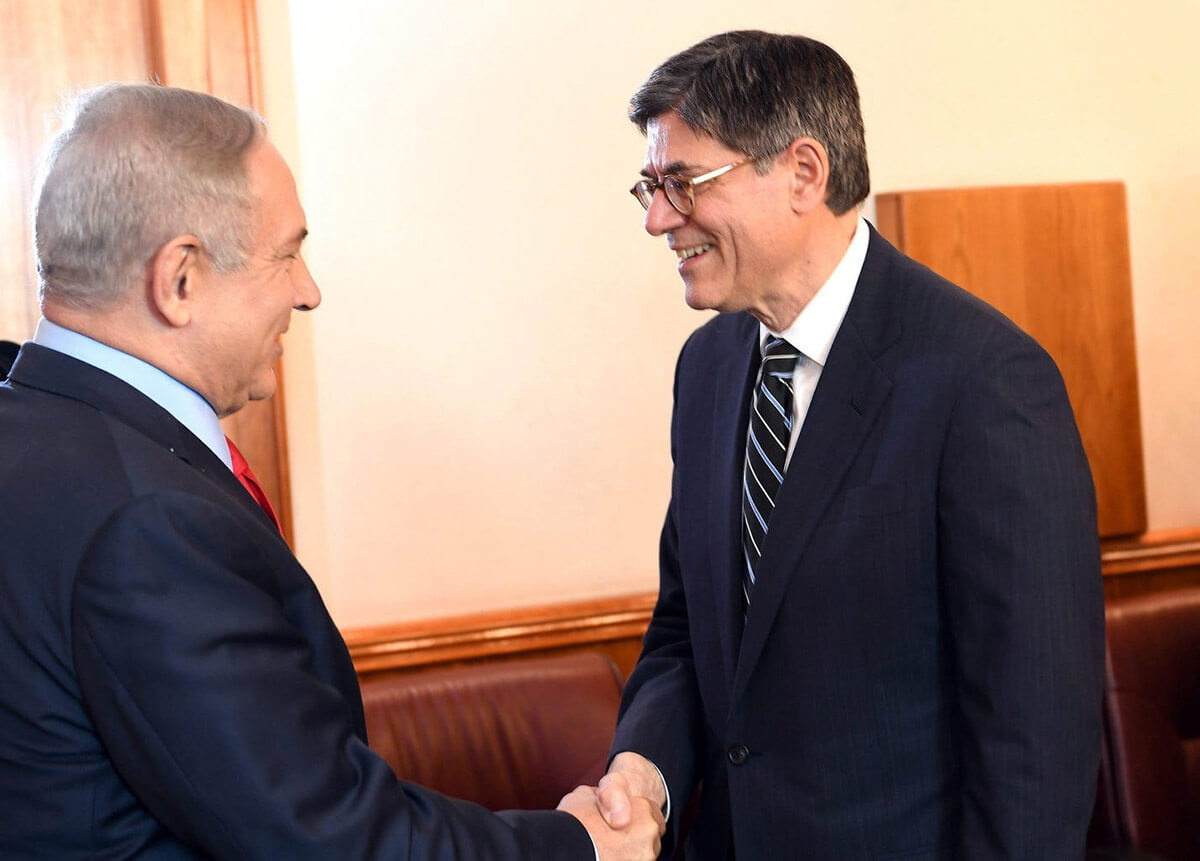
[(68, 467), (936, 312), (43, 435)]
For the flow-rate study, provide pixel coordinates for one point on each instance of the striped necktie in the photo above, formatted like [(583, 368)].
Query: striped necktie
[(766, 452)]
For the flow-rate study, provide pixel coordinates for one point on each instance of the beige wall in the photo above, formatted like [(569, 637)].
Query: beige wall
[(478, 412)]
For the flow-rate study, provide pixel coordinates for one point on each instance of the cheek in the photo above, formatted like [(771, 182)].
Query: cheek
[(758, 245), (276, 305)]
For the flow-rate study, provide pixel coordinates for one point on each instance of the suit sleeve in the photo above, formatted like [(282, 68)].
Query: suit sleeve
[(1020, 575), (204, 696), (661, 715)]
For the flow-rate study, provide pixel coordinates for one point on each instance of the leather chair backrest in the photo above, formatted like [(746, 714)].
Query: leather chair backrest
[(1152, 716), (513, 734)]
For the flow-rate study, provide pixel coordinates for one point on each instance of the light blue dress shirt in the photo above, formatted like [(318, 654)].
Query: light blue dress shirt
[(188, 407)]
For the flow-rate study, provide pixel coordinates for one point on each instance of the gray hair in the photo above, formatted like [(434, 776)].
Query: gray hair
[(134, 166), (757, 92)]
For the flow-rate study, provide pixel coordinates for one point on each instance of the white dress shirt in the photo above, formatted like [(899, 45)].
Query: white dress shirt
[(188, 407), (813, 330)]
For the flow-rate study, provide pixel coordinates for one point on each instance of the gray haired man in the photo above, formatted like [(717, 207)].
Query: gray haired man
[(173, 685)]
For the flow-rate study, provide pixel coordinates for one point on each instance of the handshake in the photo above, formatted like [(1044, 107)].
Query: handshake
[(624, 814)]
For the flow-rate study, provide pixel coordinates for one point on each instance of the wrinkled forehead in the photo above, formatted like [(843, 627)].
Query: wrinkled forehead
[(673, 147), (275, 197)]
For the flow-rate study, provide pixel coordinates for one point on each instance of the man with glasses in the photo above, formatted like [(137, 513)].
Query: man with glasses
[(879, 631)]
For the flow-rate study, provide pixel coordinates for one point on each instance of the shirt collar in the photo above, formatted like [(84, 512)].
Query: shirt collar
[(817, 324), (188, 407)]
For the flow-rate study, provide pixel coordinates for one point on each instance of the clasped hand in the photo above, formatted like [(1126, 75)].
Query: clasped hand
[(623, 814)]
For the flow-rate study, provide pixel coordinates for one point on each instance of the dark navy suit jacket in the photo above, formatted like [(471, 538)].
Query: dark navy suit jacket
[(172, 683), (919, 673)]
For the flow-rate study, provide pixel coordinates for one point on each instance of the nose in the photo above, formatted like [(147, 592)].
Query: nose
[(308, 294), (661, 217)]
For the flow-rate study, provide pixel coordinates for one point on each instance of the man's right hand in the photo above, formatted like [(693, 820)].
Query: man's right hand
[(639, 840), (629, 776)]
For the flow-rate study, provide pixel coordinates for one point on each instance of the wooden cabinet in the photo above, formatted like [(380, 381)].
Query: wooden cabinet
[(1055, 259)]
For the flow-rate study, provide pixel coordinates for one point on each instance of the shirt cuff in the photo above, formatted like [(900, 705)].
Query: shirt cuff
[(666, 792)]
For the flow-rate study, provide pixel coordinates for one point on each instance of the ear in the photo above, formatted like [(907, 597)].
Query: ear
[(809, 163), (174, 273)]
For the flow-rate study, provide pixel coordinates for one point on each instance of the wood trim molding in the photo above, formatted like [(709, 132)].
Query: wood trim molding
[(622, 620), (498, 634), (283, 470), (1151, 551)]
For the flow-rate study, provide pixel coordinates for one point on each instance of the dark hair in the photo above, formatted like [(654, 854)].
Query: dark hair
[(757, 92)]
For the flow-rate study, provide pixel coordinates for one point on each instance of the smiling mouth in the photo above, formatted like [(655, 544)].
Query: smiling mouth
[(693, 251)]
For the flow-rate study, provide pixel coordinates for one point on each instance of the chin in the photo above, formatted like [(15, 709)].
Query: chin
[(693, 295), (263, 390), (262, 386), (699, 300)]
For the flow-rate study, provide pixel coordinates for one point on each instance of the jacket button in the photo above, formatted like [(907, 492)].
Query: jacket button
[(738, 754)]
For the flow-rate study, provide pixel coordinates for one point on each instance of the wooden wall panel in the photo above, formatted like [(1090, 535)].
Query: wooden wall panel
[(208, 45), (177, 38), (1055, 259), (47, 48), (232, 44)]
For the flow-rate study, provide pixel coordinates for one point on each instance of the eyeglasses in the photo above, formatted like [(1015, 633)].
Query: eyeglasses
[(680, 191)]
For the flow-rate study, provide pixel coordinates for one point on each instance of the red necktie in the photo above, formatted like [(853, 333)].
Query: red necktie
[(246, 476)]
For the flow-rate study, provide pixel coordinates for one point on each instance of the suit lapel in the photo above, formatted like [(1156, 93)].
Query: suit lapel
[(41, 368), (732, 384), (849, 398)]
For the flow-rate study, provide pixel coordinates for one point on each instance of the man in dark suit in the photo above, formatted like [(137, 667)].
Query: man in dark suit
[(879, 630), (172, 683)]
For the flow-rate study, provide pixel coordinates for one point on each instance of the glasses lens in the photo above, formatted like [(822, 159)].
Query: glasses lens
[(643, 190), (678, 193)]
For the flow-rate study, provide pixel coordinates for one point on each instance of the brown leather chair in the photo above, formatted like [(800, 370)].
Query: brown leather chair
[(1152, 723), (514, 734)]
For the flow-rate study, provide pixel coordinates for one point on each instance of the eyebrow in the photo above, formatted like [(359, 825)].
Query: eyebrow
[(676, 167), (294, 240)]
